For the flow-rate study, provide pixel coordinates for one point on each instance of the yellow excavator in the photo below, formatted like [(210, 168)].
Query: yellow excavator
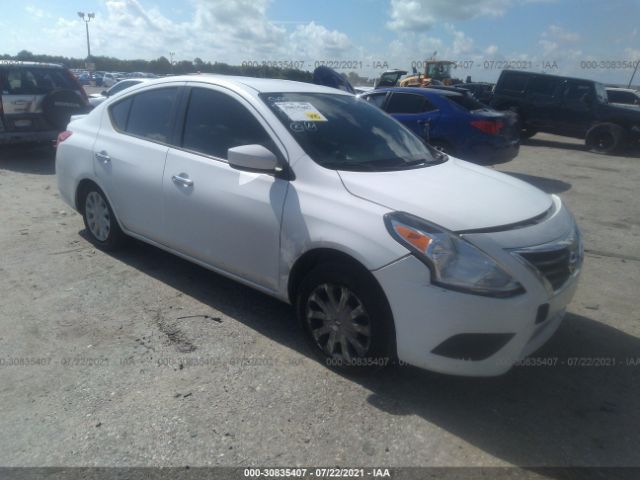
[(436, 72)]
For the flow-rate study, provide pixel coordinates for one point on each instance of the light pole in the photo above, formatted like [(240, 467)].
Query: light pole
[(171, 54), (86, 19)]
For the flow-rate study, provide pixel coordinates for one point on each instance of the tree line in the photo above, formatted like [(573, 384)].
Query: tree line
[(162, 66)]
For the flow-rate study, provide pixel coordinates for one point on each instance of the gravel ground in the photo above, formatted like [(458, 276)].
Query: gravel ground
[(140, 358)]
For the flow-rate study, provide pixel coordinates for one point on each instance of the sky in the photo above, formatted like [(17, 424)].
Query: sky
[(585, 38)]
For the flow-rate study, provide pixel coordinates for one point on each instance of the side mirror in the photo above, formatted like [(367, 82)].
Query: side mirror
[(252, 157), (104, 93)]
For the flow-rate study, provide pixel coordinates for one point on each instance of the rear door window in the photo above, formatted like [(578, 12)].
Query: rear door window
[(514, 82), (36, 81), (408, 103), (542, 86), (151, 114)]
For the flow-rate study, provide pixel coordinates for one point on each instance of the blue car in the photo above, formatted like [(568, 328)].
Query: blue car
[(453, 121)]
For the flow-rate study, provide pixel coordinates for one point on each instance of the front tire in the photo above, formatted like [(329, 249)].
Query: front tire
[(99, 220), (346, 317)]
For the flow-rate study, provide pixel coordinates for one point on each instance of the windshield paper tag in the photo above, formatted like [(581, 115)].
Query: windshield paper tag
[(301, 111)]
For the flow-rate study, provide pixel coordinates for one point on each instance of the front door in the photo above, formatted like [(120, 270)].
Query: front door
[(226, 218)]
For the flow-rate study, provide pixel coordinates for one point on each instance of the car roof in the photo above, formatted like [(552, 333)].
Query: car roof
[(19, 63), (252, 84), (548, 75), (621, 89), (442, 91)]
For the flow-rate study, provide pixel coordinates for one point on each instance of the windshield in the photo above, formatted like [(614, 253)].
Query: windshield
[(342, 132)]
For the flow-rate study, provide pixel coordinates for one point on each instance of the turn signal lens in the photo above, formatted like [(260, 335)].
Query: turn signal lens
[(414, 237)]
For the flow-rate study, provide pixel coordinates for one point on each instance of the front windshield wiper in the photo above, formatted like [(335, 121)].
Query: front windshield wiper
[(383, 165)]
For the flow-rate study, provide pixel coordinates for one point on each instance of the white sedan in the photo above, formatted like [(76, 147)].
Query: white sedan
[(389, 250)]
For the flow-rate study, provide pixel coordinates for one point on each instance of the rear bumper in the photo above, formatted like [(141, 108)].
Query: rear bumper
[(27, 137), (488, 154)]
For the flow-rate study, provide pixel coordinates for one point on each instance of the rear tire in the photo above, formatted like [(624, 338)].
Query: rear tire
[(100, 222), (346, 318), (605, 138)]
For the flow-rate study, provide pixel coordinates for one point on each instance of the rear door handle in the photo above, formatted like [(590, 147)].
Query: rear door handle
[(103, 157), (184, 181)]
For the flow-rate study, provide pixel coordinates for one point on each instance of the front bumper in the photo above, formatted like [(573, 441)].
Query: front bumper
[(465, 334)]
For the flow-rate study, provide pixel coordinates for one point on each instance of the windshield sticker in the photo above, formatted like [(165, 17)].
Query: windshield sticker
[(301, 111)]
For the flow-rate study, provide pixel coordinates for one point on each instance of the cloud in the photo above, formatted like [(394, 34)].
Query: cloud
[(35, 11), (415, 15), (316, 41)]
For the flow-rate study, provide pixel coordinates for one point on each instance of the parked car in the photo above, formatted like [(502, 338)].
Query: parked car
[(84, 78), (623, 96), (109, 79), (572, 107), (386, 247), (37, 100), (97, 98), (453, 121)]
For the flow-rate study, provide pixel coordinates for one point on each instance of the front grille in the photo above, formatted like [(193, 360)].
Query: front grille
[(554, 265), (558, 261)]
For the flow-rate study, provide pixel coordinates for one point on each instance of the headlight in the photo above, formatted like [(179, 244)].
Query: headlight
[(454, 263)]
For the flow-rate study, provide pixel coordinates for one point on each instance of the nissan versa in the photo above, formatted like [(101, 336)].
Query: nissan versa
[(387, 248)]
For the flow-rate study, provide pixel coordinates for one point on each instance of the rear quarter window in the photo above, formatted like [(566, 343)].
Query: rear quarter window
[(120, 113), (466, 102)]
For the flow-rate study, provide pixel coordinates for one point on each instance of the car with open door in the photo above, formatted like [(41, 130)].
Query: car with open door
[(387, 249)]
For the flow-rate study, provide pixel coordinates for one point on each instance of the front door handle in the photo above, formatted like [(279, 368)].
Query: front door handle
[(103, 157), (180, 180)]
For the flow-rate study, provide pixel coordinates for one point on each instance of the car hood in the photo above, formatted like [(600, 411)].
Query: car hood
[(456, 195)]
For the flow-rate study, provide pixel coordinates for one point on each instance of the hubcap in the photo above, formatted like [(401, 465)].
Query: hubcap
[(98, 218), (338, 322), (604, 141)]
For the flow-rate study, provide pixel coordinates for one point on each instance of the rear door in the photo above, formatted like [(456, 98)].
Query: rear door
[(543, 99), (415, 111), (130, 154), (578, 106), (224, 217)]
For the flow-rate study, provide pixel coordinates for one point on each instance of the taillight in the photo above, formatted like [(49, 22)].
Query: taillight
[(492, 127), (62, 136)]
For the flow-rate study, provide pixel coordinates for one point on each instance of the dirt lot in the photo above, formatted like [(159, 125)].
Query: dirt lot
[(140, 358)]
